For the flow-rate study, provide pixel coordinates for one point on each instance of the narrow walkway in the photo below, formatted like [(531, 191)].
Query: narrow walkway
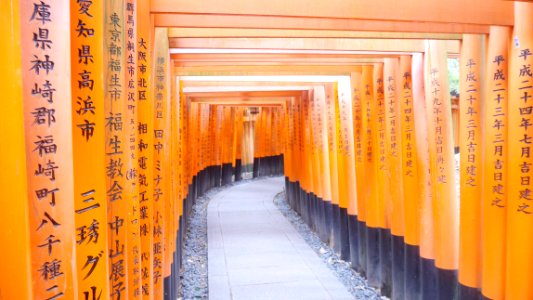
[(255, 253)]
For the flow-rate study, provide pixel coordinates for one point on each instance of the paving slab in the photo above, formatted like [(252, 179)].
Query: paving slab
[(255, 253)]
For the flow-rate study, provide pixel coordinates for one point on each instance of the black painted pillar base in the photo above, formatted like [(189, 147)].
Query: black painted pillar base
[(398, 267), (373, 268), (428, 274), (469, 293), (256, 168), (238, 170), (361, 235), (353, 237), (412, 272), (385, 259), (447, 282), (345, 240), (336, 241)]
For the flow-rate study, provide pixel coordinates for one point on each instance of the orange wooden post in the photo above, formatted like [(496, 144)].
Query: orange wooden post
[(394, 152), (494, 205), (145, 129), (384, 200), (308, 186), (239, 130), (428, 276), (316, 193), (348, 179), (161, 144), (445, 200), (288, 152), (114, 110), (411, 179), (322, 127), (89, 145), (359, 127), (130, 169), (16, 271), (366, 90), (381, 165), (177, 182), (333, 163), (471, 91), (519, 268)]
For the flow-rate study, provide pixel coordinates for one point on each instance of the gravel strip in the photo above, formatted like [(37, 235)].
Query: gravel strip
[(352, 280), (193, 273)]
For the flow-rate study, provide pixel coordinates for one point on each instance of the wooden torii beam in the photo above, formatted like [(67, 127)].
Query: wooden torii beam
[(193, 32), (376, 45), (481, 12), (251, 70), (200, 20)]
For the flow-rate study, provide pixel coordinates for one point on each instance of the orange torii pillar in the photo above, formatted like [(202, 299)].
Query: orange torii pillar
[(288, 146), (177, 181), (44, 168), (344, 162), (428, 275), (394, 152), (239, 127), (494, 204), (145, 127), (15, 272), (87, 32), (347, 179), (316, 193), (258, 128), (382, 234), (372, 214), (131, 188), (445, 200), (161, 143), (323, 150), (334, 235), (307, 182), (411, 205), (471, 91), (290, 179), (358, 109), (519, 252), (114, 108)]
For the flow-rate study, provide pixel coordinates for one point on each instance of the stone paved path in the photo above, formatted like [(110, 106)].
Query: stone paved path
[(255, 253)]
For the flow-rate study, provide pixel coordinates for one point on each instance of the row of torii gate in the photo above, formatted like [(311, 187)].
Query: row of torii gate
[(118, 114)]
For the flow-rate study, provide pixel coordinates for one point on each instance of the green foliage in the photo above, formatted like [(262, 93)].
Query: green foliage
[(453, 76)]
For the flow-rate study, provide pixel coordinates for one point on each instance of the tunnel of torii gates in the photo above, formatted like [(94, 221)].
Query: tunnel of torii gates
[(118, 114)]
